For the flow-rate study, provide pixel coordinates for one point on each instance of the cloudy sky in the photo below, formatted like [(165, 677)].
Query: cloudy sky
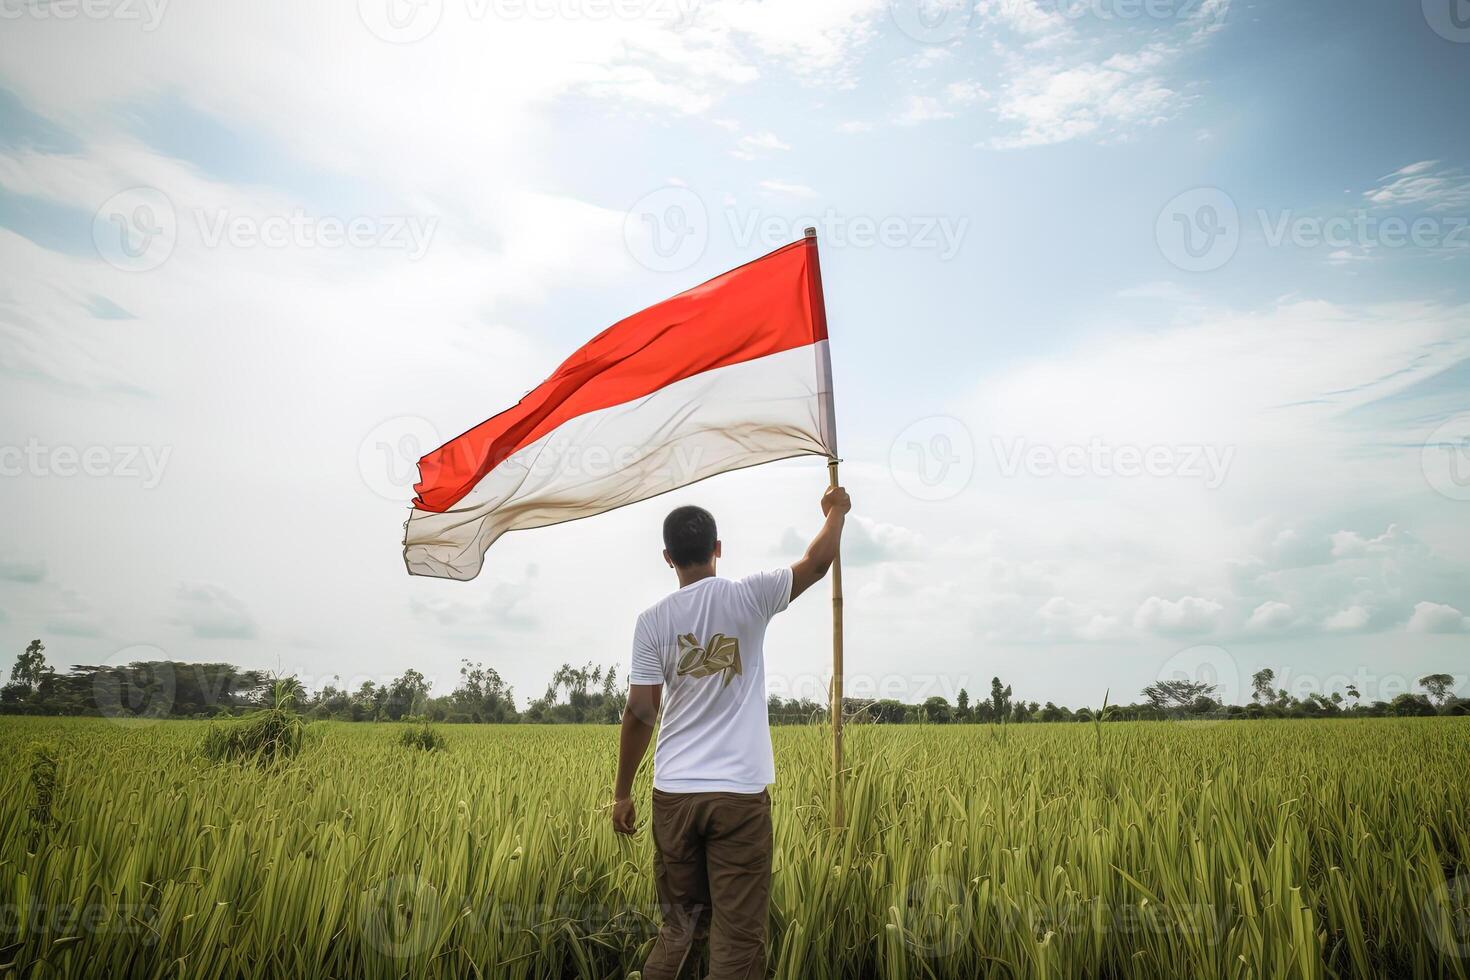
[(1150, 325)]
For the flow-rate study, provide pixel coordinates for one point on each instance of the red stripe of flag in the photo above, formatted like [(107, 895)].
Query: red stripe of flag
[(768, 305)]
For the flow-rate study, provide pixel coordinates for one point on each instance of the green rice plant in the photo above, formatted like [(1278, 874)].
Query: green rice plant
[(262, 737), (1292, 849), (422, 737), (42, 793)]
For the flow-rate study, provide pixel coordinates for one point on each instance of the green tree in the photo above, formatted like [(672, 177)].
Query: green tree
[(1261, 682), (1000, 699), (30, 666), (1438, 686), (406, 695), (1179, 694), (936, 710), (1411, 705), (482, 695)]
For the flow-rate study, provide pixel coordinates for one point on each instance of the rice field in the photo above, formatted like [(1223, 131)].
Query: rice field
[(1257, 849)]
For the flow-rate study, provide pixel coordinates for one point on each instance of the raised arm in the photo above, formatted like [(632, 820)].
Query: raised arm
[(823, 550)]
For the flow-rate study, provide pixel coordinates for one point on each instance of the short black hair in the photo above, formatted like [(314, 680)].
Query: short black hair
[(689, 536)]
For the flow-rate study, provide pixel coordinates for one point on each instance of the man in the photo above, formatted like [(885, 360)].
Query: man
[(711, 811)]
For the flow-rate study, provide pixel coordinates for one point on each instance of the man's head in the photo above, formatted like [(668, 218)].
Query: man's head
[(690, 539)]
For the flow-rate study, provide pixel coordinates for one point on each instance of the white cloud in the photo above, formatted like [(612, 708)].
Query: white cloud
[(1435, 617), (1271, 615), (1347, 620), (211, 612), (756, 145), (30, 572), (71, 615), (965, 93), (816, 38), (506, 606), (1425, 186), (1066, 78), (1054, 105), (785, 188), (922, 108), (1187, 615)]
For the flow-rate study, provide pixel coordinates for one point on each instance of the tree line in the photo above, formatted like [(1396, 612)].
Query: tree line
[(592, 694)]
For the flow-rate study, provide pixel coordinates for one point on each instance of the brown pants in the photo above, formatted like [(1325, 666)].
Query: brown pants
[(712, 868)]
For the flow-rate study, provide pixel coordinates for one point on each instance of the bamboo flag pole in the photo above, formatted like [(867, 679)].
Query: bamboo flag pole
[(839, 810), (839, 815)]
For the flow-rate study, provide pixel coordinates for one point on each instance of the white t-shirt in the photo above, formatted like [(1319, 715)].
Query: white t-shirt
[(704, 644)]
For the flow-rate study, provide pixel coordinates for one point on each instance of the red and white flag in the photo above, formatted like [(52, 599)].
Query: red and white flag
[(729, 374)]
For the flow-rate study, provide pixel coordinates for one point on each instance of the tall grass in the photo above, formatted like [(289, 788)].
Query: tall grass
[(1270, 849)]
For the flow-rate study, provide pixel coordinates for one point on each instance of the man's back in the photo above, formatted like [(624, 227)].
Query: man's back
[(700, 655), (705, 645)]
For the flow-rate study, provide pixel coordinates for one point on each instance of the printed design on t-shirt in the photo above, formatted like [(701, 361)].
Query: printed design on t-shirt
[(721, 653)]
